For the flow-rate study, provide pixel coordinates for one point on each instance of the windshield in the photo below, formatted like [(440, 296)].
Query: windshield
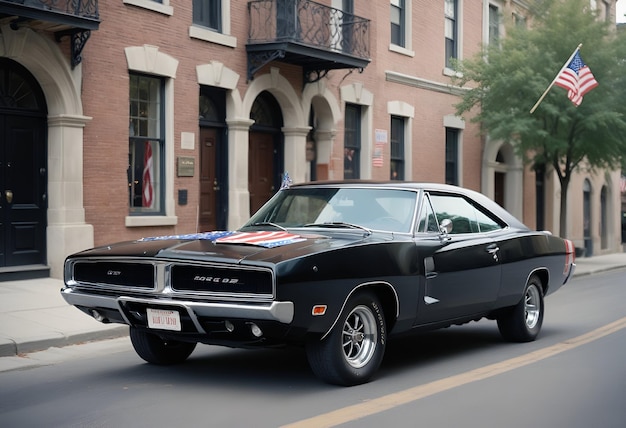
[(372, 208)]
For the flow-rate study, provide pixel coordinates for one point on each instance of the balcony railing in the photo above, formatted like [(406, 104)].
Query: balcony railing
[(59, 11), (64, 18), (307, 33)]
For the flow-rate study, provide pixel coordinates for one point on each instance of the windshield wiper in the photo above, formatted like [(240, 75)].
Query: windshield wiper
[(338, 225)]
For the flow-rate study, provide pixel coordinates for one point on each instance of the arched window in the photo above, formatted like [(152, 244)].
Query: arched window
[(18, 88), (266, 112)]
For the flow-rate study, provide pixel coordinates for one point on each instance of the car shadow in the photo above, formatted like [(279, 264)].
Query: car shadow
[(287, 367)]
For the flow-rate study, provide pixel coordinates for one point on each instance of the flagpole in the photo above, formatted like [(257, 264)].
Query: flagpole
[(554, 80)]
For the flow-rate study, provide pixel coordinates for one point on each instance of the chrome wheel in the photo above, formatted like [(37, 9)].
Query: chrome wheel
[(360, 336), (353, 349), (532, 306), (522, 322)]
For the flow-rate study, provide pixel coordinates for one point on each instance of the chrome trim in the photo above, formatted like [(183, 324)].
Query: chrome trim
[(282, 312), (163, 279)]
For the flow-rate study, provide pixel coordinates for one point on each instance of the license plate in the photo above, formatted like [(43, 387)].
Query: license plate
[(163, 319)]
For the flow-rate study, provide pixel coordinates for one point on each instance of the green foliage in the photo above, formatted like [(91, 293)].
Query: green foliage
[(507, 80)]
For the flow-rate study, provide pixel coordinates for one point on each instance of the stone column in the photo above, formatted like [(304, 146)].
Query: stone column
[(295, 152), (238, 194), (67, 231)]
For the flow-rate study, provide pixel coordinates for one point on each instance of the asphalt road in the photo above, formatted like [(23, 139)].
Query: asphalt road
[(573, 376)]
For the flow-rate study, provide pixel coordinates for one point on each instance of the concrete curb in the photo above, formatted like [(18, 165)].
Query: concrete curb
[(12, 347)]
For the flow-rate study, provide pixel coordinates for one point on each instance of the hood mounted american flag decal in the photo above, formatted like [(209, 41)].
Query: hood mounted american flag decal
[(261, 239)]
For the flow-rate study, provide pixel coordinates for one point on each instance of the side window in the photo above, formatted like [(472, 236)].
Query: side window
[(465, 217), (458, 210), (427, 220), (486, 223)]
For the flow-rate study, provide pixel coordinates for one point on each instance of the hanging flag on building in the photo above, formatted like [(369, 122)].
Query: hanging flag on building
[(377, 156), (575, 76), (577, 79), (622, 184), (148, 174)]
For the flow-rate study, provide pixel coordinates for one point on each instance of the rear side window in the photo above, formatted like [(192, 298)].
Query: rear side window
[(466, 217)]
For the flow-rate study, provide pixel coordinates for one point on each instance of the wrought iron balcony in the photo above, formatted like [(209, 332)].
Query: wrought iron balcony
[(72, 18), (308, 34)]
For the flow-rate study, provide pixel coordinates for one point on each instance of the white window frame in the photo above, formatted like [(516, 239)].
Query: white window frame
[(147, 59), (500, 6), (224, 38), (355, 93), (407, 49), (459, 38), (163, 7), (406, 111), (455, 122)]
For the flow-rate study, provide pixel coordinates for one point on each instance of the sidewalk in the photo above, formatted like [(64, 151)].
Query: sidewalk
[(34, 316)]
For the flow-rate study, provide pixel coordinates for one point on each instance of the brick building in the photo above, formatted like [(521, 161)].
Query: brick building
[(134, 118)]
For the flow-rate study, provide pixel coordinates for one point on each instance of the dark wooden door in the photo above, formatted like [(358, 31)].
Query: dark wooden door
[(23, 187), (209, 184), (260, 169), (499, 187)]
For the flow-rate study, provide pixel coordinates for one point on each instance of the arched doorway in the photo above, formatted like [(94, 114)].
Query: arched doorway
[(23, 168), (265, 155), (503, 177)]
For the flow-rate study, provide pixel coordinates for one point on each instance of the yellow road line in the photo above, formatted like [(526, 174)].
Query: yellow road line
[(361, 410)]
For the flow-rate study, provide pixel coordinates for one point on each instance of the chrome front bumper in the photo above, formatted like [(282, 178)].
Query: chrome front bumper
[(273, 311)]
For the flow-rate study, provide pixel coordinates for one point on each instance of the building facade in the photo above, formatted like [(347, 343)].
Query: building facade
[(138, 118)]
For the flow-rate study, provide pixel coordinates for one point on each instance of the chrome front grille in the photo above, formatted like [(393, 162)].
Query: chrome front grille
[(172, 277)]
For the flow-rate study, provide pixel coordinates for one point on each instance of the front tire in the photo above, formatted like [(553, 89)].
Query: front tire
[(156, 350), (354, 348), (522, 323)]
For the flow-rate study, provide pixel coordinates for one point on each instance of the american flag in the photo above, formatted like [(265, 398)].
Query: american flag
[(147, 190), (622, 184), (262, 239), (577, 79), (377, 156)]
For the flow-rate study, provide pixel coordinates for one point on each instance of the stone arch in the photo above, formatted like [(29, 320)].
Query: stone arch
[(67, 231), (318, 97), (283, 91), (295, 128), (500, 158)]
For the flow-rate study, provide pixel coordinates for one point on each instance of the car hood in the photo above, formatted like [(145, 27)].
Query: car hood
[(234, 247)]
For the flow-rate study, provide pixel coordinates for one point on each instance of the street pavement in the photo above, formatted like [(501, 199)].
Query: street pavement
[(34, 316)]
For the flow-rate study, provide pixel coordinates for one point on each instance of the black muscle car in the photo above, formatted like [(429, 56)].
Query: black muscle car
[(338, 267)]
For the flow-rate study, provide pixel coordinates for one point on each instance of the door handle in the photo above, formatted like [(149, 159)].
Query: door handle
[(8, 196), (493, 250)]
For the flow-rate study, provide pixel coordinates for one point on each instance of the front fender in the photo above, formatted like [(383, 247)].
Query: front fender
[(335, 295)]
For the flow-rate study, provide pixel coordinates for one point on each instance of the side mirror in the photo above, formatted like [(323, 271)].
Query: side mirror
[(445, 226)]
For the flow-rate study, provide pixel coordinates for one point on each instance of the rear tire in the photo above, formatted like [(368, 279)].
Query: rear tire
[(156, 350), (354, 348), (522, 323)]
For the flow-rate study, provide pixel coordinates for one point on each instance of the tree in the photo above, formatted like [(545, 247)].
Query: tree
[(508, 79)]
